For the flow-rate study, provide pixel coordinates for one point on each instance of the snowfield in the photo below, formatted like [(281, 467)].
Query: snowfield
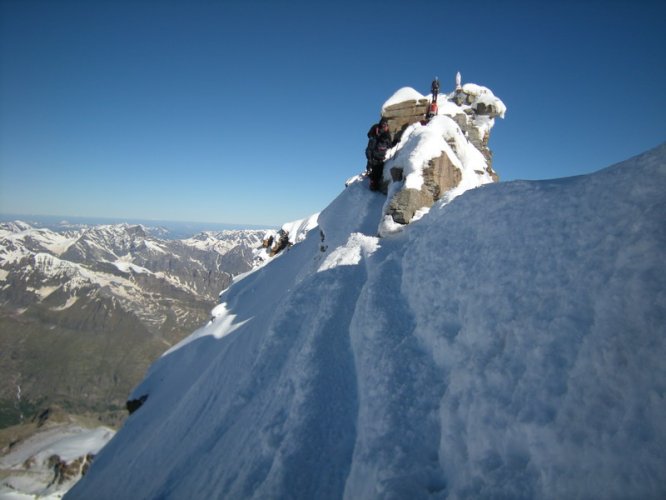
[(509, 344)]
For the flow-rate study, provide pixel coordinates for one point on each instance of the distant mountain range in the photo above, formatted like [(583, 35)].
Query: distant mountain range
[(158, 228), (84, 311)]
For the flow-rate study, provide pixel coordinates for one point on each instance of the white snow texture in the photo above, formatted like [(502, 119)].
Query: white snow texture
[(509, 344)]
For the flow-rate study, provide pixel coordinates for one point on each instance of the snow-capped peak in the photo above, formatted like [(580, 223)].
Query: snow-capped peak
[(441, 149)]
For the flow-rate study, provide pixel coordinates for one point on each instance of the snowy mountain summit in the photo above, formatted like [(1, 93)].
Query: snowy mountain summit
[(433, 158), (439, 157), (507, 344)]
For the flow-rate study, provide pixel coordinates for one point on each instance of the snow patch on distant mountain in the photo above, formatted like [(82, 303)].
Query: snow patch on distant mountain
[(223, 241)]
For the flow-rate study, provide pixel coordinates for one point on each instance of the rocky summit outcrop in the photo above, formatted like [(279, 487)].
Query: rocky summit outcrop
[(405, 107), (480, 107), (440, 157)]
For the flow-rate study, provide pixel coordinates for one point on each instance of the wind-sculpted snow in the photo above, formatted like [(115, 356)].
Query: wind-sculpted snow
[(509, 344)]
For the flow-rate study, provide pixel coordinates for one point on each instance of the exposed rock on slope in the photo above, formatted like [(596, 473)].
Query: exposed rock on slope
[(403, 108), (439, 176)]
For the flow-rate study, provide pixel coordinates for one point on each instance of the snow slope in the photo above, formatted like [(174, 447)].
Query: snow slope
[(507, 344)]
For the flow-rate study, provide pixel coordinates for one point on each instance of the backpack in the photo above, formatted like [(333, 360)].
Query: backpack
[(369, 150), (379, 152)]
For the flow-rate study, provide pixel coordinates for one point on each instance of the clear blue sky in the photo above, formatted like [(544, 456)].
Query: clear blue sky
[(255, 112)]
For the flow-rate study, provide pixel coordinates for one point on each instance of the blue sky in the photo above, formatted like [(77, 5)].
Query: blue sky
[(255, 112)]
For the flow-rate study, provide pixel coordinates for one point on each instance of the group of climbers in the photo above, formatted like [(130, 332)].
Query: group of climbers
[(380, 141)]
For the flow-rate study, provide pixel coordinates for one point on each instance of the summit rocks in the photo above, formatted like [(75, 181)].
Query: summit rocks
[(438, 158)]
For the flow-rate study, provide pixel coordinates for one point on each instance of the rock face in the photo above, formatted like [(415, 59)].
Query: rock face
[(439, 177), (405, 107), (461, 158), (477, 119)]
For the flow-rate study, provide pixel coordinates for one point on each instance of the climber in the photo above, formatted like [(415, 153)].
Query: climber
[(434, 87), (379, 141)]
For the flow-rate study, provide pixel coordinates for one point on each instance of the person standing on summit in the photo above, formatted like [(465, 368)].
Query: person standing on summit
[(434, 87)]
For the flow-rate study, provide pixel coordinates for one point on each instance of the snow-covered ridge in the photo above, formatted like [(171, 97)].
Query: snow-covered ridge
[(16, 237), (489, 350), (290, 233)]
